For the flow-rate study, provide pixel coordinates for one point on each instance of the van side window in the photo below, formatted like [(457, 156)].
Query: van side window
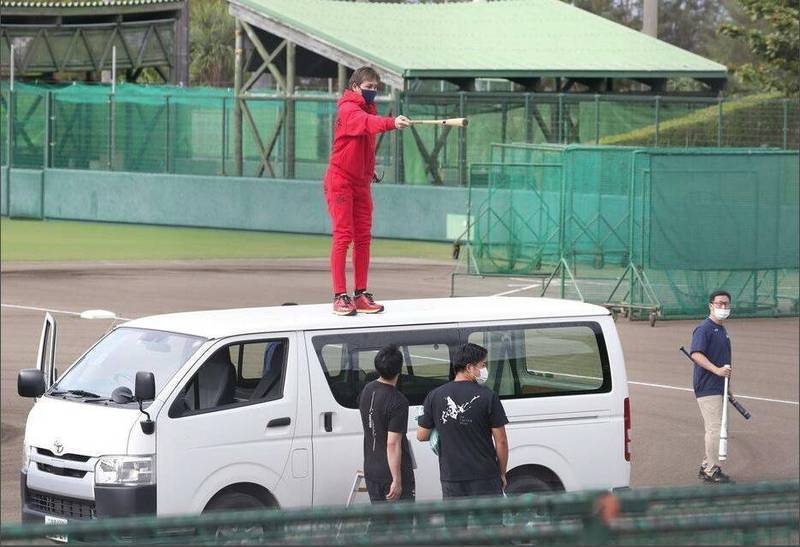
[(236, 374), (348, 361), (545, 360)]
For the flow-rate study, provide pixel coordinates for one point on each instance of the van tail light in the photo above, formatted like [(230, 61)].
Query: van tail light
[(627, 429)]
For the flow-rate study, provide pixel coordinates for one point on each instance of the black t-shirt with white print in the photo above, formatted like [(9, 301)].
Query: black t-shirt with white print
[(464, 414), (384, 409)]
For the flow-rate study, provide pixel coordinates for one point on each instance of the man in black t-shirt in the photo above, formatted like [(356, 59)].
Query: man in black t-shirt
[(470, 420), (388, 464)]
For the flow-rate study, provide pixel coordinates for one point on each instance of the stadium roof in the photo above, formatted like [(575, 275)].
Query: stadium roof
[(503, 39), (82, 7)]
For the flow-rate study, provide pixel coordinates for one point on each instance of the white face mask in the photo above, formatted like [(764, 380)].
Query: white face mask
[(722, 313), (483, 375)]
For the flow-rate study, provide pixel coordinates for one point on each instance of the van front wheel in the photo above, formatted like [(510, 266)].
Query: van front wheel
[(236, 533)]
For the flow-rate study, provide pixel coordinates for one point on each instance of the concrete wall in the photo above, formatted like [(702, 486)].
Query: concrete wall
[(4, 191), (23, 193), (406, 212)]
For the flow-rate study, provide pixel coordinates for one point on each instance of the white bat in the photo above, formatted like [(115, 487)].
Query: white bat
[(723, 430)]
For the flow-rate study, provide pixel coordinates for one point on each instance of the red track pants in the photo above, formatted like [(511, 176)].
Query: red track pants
[(350, 208)]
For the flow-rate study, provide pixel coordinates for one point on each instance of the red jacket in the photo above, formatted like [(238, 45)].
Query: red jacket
[(353, 152)]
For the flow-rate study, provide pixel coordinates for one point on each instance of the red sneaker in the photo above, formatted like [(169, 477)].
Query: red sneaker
[(366, 304), (343, 305)]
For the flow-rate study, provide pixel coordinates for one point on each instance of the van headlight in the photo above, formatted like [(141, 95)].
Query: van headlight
[(125, 470)]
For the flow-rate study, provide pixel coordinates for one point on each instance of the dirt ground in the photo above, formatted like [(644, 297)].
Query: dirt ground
[(667, 429)]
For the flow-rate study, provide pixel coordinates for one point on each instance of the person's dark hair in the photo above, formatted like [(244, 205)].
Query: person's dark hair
[(361, 75), (468, 354), (388, 362), (718, 293)]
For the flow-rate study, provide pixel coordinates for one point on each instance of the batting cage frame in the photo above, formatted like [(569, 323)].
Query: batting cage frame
[(646, 232)]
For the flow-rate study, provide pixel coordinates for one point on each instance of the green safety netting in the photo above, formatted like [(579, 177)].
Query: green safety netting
[(758, 513), (642, 230), (168, 129)]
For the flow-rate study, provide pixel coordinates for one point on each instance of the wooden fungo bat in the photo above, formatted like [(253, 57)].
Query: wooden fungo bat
[(453, 122)]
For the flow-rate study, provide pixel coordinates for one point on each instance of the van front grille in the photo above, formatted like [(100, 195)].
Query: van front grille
[(69, 508), (61, 471), (70, 457)]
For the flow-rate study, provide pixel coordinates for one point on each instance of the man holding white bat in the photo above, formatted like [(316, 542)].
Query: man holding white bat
[(711, 351)]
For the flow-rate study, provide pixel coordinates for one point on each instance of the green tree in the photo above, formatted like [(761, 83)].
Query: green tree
[(211, 43), (774, 39)]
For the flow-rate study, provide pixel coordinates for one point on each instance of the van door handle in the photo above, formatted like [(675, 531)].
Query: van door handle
[(279, 422), (328, 421)]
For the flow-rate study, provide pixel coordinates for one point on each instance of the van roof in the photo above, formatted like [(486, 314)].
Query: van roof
[(232, 322)]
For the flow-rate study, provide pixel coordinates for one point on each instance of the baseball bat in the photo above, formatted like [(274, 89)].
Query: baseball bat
[(453, 122), (736, 404), (723, 430)]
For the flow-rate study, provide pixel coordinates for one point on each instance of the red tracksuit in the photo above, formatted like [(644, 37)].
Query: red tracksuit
[(347, 185)]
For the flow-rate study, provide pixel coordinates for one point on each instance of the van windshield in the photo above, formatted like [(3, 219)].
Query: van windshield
[(116, 359)]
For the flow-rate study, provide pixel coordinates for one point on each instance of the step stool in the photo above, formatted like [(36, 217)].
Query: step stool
[(359, 485)]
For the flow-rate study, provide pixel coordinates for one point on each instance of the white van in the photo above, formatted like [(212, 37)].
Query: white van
[(258, 407)]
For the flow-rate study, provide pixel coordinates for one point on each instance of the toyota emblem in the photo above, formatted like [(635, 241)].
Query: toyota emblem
[(58, 446)]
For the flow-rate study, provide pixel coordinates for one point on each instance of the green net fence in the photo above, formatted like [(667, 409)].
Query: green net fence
[(642, 230), (167, 129), (762, 513)]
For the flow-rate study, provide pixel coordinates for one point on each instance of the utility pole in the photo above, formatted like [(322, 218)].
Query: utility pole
[(650, 18)]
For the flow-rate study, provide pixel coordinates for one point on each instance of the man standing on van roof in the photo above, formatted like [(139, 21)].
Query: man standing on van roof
[(711, 351), (351, 170), (468, 417), (388, 464)]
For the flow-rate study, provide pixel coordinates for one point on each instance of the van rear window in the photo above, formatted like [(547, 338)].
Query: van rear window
[(544, 360)]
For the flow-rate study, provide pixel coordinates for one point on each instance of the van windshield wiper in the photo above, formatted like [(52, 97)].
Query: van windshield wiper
[(76, 392)]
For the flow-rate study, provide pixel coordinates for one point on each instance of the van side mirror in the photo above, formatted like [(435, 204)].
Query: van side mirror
[(30, 382), (145, 386), (145, 391)]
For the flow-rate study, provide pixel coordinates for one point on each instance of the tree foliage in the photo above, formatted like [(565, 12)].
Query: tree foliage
[(211, 42), (773, 36)]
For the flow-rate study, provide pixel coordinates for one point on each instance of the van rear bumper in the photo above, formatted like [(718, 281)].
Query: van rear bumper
[(110, 501)]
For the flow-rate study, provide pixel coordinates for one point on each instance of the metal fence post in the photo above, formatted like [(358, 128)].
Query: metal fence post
[(111, 129), (658, 116), (528, 119), (596, 118), (224, 132), (462, 141), (47, 136), (719, 122), (290, 152), (560, 118), (11, 95), (237, 103), (785, 124), (398, 141), (166, 135)]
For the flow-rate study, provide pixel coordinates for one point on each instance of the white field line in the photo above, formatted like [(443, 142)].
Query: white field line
[(525, 288), (62, 312), (751, 397)]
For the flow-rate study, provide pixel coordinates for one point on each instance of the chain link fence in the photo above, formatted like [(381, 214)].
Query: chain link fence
[(166, 129)]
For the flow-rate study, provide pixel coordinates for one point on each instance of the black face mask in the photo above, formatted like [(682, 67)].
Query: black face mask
[(369, 95)]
